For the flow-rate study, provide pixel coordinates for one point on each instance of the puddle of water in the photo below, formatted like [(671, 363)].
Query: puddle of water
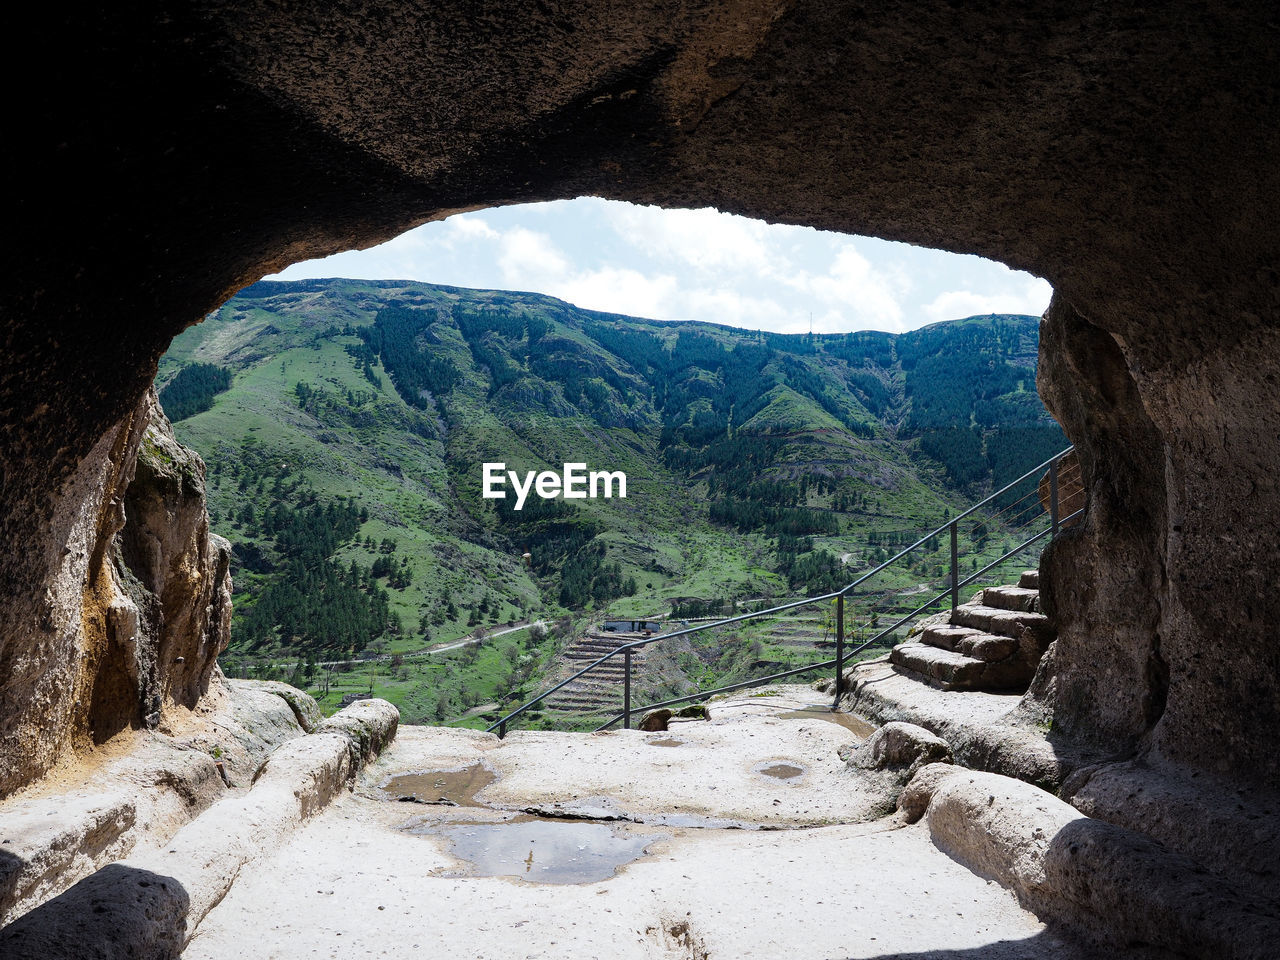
[(782, 771), (541, 851), (858, 726), (665, 742), (459, 787)]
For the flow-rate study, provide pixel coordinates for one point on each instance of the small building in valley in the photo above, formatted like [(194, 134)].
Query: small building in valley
[(632, 626)]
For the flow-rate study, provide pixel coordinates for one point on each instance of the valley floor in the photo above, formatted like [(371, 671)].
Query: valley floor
[(373, 877)]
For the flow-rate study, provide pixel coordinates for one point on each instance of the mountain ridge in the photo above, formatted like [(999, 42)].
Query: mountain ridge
[(758, 464)]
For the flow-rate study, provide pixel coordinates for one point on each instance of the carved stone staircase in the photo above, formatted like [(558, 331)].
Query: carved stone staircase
[(992, 643), (602, 688)]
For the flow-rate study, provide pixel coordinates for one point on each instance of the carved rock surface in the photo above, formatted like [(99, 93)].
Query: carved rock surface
[(136, 613), (1123, 151), (1071, 495), (150, 904), (901, 747), (1113, 884)]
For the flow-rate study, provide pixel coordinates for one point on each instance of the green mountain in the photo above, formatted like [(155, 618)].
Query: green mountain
[(345, 424)]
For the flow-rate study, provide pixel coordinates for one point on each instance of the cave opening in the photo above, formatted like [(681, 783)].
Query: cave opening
[(889, 387), (1125, 152)]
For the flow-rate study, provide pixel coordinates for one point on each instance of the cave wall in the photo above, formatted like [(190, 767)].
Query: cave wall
[(135, 610), (1166, 620), (1103, 579), (173, 577), (1123, 151)]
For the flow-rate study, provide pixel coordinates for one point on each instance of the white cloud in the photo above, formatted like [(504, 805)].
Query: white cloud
[(1032, 298), (694, 265), (621, 290), (856, 294), (736, 309), (468, 227), (529, 260), (705, 239), (743, 263)]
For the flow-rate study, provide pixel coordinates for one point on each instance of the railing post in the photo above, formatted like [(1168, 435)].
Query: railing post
[(502, 731), (839, 648), (1053, 497), (626, 691), (955, 565)]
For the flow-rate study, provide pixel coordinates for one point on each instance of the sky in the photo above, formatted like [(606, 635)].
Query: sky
[(693, 265)]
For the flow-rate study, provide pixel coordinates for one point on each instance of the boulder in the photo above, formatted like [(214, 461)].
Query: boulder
[(659, 719), (885, 762), (369, 725), (899, 747), (655, 720)]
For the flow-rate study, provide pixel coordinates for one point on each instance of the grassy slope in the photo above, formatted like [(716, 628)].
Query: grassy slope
[(419, 476)]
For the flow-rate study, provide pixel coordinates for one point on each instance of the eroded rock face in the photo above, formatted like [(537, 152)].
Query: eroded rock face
[(1124, 152), (137, 611), (55, 612), (1102, 578), (1164, 610), (177, 574)]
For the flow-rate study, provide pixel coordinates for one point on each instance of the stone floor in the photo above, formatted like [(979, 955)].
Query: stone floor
[(735, 862)]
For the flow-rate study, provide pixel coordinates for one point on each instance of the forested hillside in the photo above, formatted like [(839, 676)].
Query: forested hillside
[(344, 424)]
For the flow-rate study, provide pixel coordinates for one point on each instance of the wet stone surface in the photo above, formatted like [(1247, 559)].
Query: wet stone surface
[(445, 787), (538, 846), (587, 837), (604, 810), (859, 727), (540, 851), (781, 771)]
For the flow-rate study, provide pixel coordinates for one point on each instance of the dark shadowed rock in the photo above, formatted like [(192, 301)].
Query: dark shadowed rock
[(656, 719), (1070, 489), (119, 913), (1125, 152)]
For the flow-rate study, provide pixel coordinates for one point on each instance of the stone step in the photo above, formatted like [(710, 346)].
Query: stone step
[(1012, 598), (581, 699), (945, 666), (955, 671), (603, 646), (1006, 623), (988, 647), (1030, 579), (589, 655), (591, 682)]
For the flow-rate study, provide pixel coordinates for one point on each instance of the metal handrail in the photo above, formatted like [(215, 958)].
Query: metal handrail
[(823, 664), (950, 526)]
